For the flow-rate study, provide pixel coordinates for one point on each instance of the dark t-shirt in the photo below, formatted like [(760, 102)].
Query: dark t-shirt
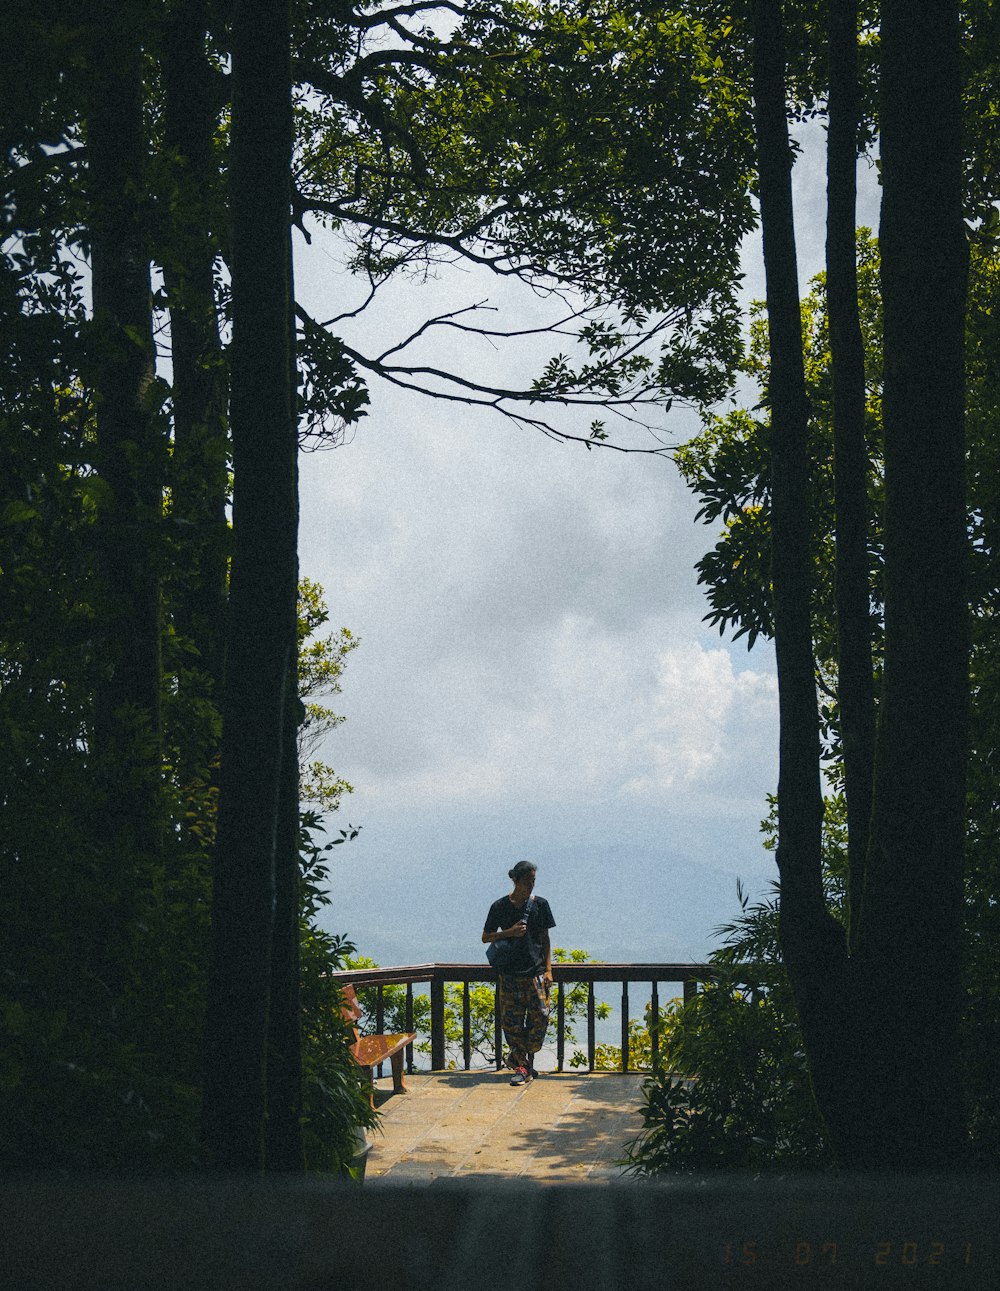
[(529, 951)]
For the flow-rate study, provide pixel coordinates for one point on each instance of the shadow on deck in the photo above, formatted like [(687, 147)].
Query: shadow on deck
[(474, 1125)]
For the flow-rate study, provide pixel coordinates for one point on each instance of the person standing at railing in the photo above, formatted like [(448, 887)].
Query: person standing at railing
[(522, 921)]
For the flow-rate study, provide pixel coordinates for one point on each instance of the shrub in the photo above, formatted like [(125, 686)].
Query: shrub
[(735, 1092)]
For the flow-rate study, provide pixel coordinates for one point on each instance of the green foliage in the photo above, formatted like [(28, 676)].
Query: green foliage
[(80, 1094), (588, 150), (981, 52), (103, 1074), (103, 957), (585, 194), (335, 1100), (749, 1106), (522, 135), (575, 1007), (100, 955), (734, 1091), (332, 395), (727, 466), (981, 1024), (751, 939), (583, 148), (99, 1073), (608, 1057), (481, 1025), (321, 665)]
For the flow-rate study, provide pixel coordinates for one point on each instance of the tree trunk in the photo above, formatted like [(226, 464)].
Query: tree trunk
[(129, 461), (853, 592), (911, 919), (812, 942), (129, 451), (284, 1152), (261, 639), (198, 478), (284, 1061)]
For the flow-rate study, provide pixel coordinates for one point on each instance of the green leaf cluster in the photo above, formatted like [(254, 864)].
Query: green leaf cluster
[(727, 465), (335, 1102), (600, 154), (734, 1090)]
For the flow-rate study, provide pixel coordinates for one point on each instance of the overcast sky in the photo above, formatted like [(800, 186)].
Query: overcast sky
[(534, 676)]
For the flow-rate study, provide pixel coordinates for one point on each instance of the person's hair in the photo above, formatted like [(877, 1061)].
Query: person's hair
[(521, 869)]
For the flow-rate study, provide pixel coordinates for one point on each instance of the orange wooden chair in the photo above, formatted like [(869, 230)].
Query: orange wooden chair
[(369, 1050)]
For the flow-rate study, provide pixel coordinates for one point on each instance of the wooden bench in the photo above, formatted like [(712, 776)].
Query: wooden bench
[(369, 1050)]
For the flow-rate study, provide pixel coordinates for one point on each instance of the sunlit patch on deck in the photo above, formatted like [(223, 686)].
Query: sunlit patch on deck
[(475, 1125)]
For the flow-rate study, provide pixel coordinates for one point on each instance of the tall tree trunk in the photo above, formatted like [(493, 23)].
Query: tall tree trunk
[(129, 452), (261, 639), (911, 919), (853, 592), (129, 460), (812, 943), (284, 1152), (199, 479)]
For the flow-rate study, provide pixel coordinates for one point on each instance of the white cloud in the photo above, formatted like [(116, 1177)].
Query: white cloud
[(581, 712), (529, 615), (534, 676), (709, 724)]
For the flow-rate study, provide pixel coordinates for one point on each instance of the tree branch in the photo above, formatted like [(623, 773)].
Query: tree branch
[(43, 163), (478, 394), (347, 89), (503, 264), (386, 16)]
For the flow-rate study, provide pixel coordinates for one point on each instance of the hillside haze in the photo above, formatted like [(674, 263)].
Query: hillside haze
[(405, 893)]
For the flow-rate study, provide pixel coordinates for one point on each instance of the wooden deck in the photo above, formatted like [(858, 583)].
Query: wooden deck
[(474, 1125)]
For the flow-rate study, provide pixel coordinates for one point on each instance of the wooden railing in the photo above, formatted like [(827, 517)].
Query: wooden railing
[(437, 976)]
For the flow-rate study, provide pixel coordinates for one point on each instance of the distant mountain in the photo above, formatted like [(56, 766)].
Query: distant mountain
[(415, 889)]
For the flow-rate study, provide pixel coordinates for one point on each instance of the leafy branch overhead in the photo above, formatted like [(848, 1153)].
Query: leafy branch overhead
[(727, 466), (599, 157)]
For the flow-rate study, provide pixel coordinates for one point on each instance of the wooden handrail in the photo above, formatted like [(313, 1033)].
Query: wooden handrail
[(564, 972), (438, 975)]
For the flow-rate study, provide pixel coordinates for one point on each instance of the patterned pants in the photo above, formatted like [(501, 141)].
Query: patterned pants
[(524, 1015)]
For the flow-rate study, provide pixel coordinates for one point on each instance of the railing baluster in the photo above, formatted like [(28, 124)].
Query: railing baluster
[(561, 1027), (408, 1023), (497, 1028), (591, 1046), (437, 1024), (466, 1027), (569, 977), (380, 1018), (625, 1025), (654, 1026)]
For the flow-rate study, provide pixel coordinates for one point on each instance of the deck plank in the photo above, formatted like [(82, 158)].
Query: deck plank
[(475, 1125)]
